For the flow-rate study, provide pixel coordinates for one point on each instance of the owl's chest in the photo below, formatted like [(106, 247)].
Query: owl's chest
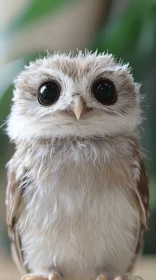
[(85, 219)]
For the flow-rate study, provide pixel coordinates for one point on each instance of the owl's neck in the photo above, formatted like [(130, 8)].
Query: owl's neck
[(116, 137), (119, 145)]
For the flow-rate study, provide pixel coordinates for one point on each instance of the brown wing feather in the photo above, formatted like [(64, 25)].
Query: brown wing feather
[(13, 199), (142, 193)]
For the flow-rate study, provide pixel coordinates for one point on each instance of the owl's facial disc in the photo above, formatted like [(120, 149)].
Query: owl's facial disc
[(87, 95)]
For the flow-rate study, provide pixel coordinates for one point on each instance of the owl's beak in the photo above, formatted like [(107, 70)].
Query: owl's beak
[(78, 107)]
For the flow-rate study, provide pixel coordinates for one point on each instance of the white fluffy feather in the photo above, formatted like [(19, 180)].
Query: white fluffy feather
[(79, 216)]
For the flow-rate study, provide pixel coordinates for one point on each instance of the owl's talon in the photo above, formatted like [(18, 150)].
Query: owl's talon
[(33, 277), (102, 277), (54, 277), (41, 277), (127, 278)]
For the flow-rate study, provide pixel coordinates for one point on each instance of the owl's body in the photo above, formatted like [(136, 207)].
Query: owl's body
[(77, 195)]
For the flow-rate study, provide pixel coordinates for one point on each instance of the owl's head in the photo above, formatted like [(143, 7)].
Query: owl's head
[(61, 95)]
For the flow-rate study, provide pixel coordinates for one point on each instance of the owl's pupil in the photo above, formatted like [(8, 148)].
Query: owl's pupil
[(104, 91), (48, 93)]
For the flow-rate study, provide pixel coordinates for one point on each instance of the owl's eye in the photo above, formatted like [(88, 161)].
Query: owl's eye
[(104, 92), (48, 93)]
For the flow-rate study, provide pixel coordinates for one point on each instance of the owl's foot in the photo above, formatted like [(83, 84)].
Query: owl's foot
[(126, 277), (34, 276), (123, 277)]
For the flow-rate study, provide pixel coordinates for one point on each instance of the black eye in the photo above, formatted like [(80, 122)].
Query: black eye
[(48, 93), (105, 92)]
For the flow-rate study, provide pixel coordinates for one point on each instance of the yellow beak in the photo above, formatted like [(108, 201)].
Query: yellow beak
[(78, 107)]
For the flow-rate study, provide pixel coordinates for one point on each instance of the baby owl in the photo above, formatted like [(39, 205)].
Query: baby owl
[(77, 196)]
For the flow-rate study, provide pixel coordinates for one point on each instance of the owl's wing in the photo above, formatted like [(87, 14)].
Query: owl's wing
[(143, 194), (13, 200), (142, 200)]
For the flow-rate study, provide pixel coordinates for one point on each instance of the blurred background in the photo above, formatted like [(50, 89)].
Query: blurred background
[(126, 28)]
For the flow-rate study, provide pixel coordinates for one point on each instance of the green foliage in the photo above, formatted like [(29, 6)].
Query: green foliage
[(36, 10), (153, 194), (124, 34), (5, 103)]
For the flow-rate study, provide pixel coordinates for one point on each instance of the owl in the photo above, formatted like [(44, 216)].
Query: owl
[(77, 197)]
